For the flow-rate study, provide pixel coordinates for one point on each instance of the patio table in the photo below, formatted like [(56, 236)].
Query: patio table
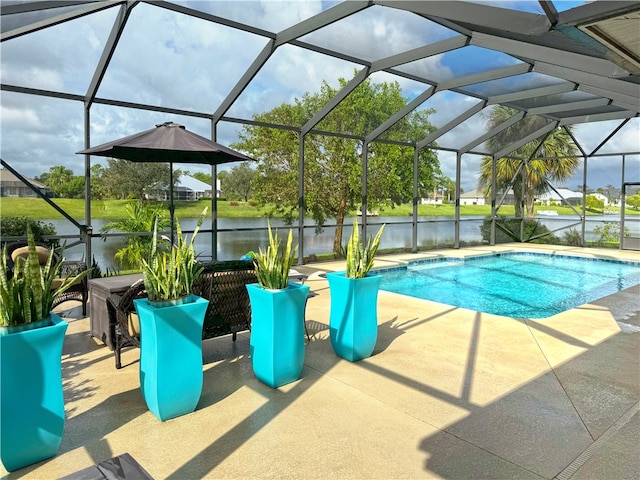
[(100, 289)]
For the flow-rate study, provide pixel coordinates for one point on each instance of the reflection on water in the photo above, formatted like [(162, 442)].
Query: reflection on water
[(239, 238)]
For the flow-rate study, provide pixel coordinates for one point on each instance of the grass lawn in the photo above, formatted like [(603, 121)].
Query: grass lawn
[(114, 209)]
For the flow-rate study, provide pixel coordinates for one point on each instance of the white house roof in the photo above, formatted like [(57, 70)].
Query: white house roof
[(189, 183), (565, 192), (6, 177), (472, 194)]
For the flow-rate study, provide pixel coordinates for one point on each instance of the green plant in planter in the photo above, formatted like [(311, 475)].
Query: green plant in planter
[(26, 293), (169, 275), (360, 256), (272, 268)]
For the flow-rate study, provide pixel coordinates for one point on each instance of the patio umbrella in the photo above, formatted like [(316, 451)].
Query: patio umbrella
[(168, 143)]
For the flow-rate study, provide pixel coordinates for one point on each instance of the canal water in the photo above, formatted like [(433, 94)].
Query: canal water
[(237, 236)]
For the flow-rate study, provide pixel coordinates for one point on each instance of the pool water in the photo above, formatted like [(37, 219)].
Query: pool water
[(521, 285)]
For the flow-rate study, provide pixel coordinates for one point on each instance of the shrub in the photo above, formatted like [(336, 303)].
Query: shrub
[(594, 203), (16, 226), (508, 230), (609, 234), (573, 238)]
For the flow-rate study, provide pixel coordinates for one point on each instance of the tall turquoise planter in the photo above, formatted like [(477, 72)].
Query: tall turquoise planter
[(277, 333), (353, 319), (32, 402), (171, 356)]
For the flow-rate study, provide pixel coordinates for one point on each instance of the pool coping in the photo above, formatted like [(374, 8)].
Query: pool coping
[(472, 258)]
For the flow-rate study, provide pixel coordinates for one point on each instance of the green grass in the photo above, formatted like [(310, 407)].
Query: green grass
[(114, 209)]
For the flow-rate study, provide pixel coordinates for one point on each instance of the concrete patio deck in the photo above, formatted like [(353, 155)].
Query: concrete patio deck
[(448, 393)]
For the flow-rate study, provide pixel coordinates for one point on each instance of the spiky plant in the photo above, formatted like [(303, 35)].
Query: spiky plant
[(272, 268), (169, 275), (26, 293), (360, 256)]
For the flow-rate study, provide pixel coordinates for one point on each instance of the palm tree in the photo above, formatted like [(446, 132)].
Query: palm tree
[(57, 177), (140, 218), (539, 172)]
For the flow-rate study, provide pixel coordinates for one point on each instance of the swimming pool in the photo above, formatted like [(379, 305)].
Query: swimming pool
[(521, 285)]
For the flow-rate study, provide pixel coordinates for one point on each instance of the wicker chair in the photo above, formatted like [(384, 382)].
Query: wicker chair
[(222, 283), (78, 291), (123, 325)]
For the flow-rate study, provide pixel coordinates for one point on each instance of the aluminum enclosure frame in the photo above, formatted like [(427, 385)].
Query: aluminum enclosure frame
[(563, 45)]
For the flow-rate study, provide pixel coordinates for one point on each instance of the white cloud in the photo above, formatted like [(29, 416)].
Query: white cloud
[(22, 118), (591, 135), (175, 61)]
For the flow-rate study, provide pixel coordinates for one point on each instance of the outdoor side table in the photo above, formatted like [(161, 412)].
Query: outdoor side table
[(100, 289), (122, 467)]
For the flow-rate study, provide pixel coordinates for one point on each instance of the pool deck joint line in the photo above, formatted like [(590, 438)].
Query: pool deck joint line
[(581, 459)]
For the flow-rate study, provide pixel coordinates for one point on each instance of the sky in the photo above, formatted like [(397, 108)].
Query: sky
[(168, 59)]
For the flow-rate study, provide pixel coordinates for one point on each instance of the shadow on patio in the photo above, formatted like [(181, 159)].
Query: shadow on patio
[(448, 393)]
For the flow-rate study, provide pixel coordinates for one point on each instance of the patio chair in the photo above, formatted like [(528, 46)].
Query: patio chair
[(124, 326), (223, 283), (78, 291)]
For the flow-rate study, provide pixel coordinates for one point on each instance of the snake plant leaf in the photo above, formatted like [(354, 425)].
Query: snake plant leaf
[(169, 275), (360, 256), (26, 293), (272, 268)]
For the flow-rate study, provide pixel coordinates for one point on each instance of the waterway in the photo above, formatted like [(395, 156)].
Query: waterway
[(237, 236)]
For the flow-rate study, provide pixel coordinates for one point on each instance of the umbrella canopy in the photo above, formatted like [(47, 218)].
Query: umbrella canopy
[(167, 143), (171, 143)]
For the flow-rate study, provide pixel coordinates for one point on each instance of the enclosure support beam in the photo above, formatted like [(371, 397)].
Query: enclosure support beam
[(584, 202), (494, 131), (365, 168), (622, 205), (301, 206), (452, 124), (41, 195), (333, 103), (494, 186), (86, 235), (214, 199), (523, 141), (244, 81), (456, 241), (523, 214), (109, 49), (416, 160), (50, 22)]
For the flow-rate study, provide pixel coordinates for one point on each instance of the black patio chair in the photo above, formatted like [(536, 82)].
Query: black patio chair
[(124, 327), (222, 283)]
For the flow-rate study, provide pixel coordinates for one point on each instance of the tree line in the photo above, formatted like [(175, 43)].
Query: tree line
[(333, 164)]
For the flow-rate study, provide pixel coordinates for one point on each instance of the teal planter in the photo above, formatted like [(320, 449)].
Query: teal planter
[(277, 332), (32, 402), (353, 320), (171, 356)]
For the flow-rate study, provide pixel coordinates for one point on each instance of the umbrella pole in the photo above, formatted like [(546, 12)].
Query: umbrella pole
[(171, 210)]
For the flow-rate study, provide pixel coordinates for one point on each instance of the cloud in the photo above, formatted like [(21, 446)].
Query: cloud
[(172, 60)]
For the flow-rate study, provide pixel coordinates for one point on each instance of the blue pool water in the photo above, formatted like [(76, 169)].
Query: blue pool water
[(521, 285)]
